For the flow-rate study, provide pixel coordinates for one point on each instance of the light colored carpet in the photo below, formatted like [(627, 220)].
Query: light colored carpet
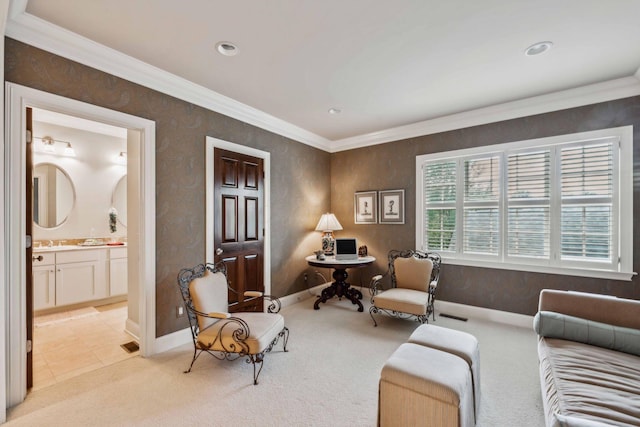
[(329, 377)]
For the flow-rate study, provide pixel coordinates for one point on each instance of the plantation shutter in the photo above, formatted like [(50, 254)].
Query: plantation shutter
[(529, 205), (440, 206), (481, 205), (587, 195)]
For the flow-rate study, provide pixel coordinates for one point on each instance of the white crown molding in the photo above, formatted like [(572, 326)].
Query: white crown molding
[(44, 35), (585, 95)]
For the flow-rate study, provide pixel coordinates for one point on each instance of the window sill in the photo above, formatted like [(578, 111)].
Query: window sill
[(598, 274)]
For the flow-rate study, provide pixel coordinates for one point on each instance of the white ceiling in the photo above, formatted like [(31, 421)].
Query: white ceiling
[(393, 67)]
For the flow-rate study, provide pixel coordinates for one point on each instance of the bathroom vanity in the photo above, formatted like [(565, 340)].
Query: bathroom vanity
[(69, 275)]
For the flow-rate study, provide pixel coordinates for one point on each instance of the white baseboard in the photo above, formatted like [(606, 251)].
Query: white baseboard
[(133, 329), (302, 295), (462, 310), (172, 340)]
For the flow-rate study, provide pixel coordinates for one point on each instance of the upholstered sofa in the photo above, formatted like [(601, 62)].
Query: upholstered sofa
[(589, 354)]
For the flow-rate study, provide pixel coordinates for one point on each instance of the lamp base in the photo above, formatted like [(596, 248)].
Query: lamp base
[(328, 243)]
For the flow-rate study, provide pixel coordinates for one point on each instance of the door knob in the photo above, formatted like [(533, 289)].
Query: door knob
[(219, 251)]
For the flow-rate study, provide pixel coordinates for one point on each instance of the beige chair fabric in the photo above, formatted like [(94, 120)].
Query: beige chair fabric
[(414, 278), (413, 273), (264, 327), (403, 300), (209, 294)]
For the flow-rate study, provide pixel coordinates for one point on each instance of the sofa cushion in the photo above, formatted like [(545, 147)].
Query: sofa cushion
[(585, 385), (557, 325)]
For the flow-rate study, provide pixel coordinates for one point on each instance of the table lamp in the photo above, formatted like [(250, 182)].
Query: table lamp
[(328, 224)]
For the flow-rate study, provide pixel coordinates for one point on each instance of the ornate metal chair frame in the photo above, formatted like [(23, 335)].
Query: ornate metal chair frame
[(240, 330), (377, 284)]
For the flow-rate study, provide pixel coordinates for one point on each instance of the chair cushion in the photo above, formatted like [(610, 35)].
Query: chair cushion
[(209, 293), (403, 300), (263, 328), (413, 273)]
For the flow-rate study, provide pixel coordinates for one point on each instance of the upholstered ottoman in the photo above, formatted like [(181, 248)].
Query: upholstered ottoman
[(459, 343), (421, 386)]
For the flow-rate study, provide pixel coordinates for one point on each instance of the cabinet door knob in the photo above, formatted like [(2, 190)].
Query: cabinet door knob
[(38, 258)]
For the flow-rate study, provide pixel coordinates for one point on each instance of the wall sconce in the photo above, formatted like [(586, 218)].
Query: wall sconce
[(328, 224)]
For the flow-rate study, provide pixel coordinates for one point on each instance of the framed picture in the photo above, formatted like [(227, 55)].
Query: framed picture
[(366, 207), (391, 206)]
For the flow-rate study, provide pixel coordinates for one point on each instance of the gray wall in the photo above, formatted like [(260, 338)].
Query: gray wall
[(300, 175), (392, 166)]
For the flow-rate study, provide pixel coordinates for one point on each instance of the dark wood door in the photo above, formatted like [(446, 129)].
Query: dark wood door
[(239, 224), (29, 259)]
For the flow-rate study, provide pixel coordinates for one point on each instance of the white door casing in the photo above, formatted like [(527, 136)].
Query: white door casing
[(17, 99)]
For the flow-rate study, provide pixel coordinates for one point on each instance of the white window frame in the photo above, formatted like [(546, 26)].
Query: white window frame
[(623, 206)]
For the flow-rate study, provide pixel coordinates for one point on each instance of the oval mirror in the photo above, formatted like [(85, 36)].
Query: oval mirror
[(119, 200), (53, 195)]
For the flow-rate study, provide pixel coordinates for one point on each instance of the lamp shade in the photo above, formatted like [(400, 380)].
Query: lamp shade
[(328, 222)]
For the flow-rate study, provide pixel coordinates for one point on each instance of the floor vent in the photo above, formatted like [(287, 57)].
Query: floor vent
[(130, 347)]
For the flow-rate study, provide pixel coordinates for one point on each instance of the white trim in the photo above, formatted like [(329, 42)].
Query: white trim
[(210, 144), (481, 313), (18, 98), (4, 277), (44, 35)]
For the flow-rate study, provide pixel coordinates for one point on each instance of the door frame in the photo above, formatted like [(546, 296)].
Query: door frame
[(17, 99), (211, 144)]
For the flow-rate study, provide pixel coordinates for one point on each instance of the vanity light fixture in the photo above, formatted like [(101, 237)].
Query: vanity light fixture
[(69, 151), (227, 48), (48, 145), (538, 48)]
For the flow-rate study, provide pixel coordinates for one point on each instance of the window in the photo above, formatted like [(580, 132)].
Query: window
[(560, 205)]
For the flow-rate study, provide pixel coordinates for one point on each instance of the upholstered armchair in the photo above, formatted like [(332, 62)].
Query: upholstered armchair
[(225, 335), (414, 281)]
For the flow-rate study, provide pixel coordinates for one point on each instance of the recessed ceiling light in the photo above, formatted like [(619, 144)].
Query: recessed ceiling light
[(334, 111), (538, 48), (227, 48)]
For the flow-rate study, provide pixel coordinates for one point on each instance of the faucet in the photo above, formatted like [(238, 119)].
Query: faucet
[(50, 244)]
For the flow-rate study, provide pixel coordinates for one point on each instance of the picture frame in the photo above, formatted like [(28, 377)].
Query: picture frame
[(391, 206), (366, 207)]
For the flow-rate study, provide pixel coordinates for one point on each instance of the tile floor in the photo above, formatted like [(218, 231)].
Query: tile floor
[(71, 343)]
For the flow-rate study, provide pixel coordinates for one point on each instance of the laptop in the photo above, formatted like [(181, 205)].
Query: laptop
[(346, 249)]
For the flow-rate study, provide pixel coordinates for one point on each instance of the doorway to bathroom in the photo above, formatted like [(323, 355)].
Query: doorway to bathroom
[(79, 256), (140, 236)]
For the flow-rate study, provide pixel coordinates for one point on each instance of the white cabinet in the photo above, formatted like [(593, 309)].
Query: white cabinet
[(44, 281), (80, 276), (65, 277), (118, 284)]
